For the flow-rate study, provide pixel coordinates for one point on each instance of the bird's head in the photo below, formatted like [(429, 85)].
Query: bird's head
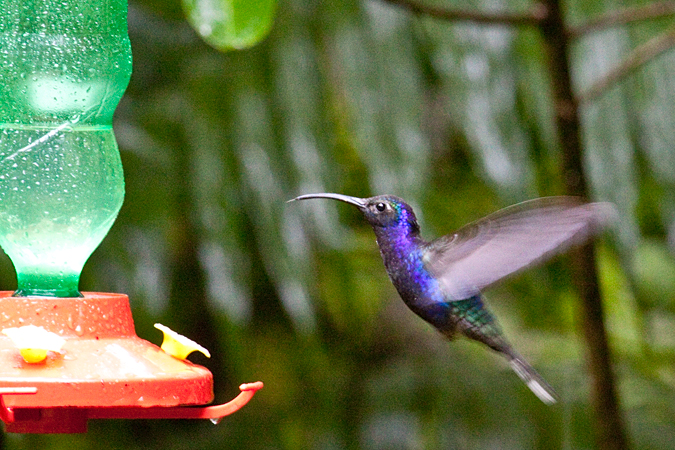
[(381, 212)]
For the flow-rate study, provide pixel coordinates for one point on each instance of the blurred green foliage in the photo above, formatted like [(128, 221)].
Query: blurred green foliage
[(230, 24), (362, 98)]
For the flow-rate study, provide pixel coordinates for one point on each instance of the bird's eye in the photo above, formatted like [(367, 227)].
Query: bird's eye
[(380, 207)]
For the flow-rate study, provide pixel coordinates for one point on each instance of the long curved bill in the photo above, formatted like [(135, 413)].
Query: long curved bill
[(359, 202)]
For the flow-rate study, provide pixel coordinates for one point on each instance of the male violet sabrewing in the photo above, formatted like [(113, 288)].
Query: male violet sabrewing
[(441, 280)]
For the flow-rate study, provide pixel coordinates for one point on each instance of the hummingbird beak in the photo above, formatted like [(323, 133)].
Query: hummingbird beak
[(358, 202)]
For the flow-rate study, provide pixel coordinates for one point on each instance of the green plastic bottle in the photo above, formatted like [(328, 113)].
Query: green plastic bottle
[(64, 65)]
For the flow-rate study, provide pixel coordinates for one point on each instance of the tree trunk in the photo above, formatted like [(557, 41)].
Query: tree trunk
[(609, 427)]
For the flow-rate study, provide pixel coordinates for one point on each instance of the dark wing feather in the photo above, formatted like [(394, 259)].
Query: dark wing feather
[(510, 240)]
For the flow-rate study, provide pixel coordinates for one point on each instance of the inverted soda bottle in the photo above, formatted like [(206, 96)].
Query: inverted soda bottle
[(64, 65)]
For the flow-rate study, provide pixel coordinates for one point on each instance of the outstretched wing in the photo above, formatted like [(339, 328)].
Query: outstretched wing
[(510, 240)]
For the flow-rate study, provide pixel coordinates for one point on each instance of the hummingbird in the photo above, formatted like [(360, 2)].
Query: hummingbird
[(441, 280)]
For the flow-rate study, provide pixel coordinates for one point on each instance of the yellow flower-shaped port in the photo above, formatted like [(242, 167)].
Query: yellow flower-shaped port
[(178, 345), (34, 342)]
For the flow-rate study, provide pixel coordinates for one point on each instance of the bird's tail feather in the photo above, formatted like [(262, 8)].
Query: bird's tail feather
[(533, 380)]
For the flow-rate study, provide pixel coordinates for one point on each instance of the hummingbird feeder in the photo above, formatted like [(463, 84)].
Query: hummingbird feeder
[(65, 356)]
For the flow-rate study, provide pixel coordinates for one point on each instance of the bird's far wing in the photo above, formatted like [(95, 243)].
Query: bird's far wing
[(510, 240)]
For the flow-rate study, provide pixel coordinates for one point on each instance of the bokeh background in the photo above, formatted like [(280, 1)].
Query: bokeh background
[(365, 98)]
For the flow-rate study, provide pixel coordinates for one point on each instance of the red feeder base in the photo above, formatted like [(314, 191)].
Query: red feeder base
[(105, 370)]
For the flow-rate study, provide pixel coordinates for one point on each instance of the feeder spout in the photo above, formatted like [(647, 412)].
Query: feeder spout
[(214, 413), (74, 420)]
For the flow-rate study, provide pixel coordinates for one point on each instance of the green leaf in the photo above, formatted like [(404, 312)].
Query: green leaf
[(231, 24)]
